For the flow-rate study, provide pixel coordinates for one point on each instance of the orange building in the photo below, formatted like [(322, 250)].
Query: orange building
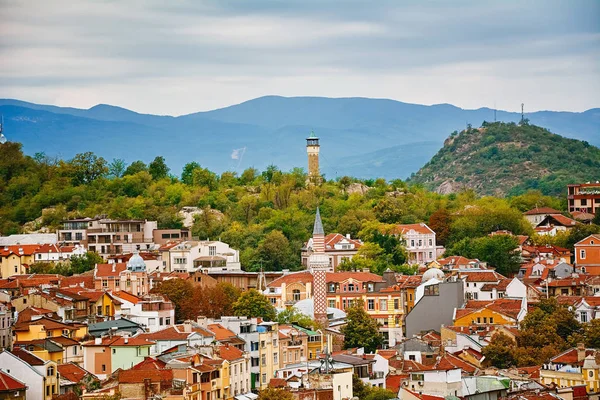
[(587, 254)]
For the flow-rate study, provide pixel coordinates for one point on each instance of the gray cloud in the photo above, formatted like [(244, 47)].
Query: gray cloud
[(185, 56)]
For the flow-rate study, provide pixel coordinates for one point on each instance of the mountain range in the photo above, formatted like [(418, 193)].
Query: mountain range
[(360, 137)]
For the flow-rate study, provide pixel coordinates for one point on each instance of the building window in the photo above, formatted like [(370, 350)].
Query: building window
[(50, 371), (491, 320), (396, 304), (583, 316), (253, 346), (432, 290), (382, 304), (264, 378), (296, 294), (275, 360), (262, 344), (212, 250), (430, 243), (104, 283), (412, 243), (331, 303), (370, 304), (114, 351), (103, 367), (581, 253), (180, 260)]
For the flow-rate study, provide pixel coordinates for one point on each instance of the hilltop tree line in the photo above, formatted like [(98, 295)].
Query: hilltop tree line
[(267, 215)]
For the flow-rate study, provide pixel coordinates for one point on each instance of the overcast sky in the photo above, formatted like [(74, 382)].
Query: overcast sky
[(177, 57)]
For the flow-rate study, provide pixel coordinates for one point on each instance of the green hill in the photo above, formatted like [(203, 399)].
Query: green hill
[(504, 158)]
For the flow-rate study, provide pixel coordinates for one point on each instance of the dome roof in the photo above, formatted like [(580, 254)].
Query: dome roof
[(136, 263), (307, 307), (432, 273)]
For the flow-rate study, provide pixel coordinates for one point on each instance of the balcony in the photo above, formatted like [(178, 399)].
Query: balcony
[(295, 343)]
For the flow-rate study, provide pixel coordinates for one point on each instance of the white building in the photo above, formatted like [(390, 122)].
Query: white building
[(490, 285), (184, 334), (54, 253), (420, 243), (207, 256), (153, 312), (41, 377)]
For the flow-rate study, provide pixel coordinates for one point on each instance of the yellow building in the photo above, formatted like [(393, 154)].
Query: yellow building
[(15, 260), (45, 327), (503, 311), (268, 352), (576, 366)]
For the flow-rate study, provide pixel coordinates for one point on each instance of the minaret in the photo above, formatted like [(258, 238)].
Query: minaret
[(318, 265), (312, 149)]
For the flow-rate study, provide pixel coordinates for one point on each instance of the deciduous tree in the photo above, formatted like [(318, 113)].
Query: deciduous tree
[(361, 330), (252, 304)]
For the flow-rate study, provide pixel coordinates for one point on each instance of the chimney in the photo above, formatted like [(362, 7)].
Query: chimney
[(580, 352), (126, 339), (202, 321), (98, 340), (113, 267), (347, 236), (187, 326)]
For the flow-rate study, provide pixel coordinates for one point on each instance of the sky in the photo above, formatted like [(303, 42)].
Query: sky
[(177, 57)]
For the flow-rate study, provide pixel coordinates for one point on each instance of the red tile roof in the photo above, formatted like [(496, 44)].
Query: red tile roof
[(337, 277), (562, 220), (28, 357), (277, 383), (570, 356), (393, 382), (424, 396), (221, 333), (542, 210), (334, 238), (505, 306), (49, 324), (23, 250), (8, 383), (230, 353), (419, 228), (139, 376), (482, 276), (119, 341), (106, 270), (150, 363), (86, 281), (450, 361), (72, 372)]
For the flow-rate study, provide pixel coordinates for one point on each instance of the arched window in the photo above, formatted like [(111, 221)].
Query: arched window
[(296, 294)]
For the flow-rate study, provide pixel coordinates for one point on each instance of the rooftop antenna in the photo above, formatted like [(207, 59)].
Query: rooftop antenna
[(494, 111), (2, 137)]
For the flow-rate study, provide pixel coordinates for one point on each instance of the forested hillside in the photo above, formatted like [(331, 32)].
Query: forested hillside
[(268, 214), (506, 158)]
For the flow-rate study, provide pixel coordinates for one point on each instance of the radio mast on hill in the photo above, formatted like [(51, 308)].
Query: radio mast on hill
[(2, 137)]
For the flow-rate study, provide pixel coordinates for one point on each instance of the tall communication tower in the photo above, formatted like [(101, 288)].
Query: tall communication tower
[(2, 137), (522, 112)]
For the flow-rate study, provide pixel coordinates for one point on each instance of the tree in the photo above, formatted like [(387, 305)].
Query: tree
[(580, 232), (135, 167), (116, 168), (253, 304), (293, 316), (377, 393), (188, 171), (181, 293), (86, 262), (216, 301), (499, 353), (87, 167), (158, 168), (361, 330), (591, 333), (274, 251), (440, 222), (275, 394), (499, 251)]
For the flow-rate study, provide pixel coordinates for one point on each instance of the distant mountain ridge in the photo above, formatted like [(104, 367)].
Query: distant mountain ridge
[(505, 158), (361, 137)]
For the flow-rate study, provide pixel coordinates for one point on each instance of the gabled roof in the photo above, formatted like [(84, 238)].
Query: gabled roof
[(570, 356), (28, 357), (20, 250), (140, 376), (482, 276), (150, 363), (106, 270), (542, 211), (230, 353), (72, 372), (506, 306), (560, 220), (331, 277), (49, 324), (9, 384), (421, 228), (119, 341), (221, 333), (334, 238)]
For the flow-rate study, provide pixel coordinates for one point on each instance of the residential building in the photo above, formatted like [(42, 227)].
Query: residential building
[(536, 215), (5, 326), (504, 311), (576, 366), (419, 240), (107, 236), (163, 236), (11, 388), (586, 308), (293, 345), (15, 260), (239, 369), (485, 284), (104, 355), (587, 254), (153, 311), (434, 306), (187, 334), (584, 197), (206, 256), (131, 277), (41, 327), (370, 368), (74, 378), (41, 377), (337, 248), (121, 326)]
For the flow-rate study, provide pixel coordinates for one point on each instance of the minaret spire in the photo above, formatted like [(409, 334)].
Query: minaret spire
[(318, 265)]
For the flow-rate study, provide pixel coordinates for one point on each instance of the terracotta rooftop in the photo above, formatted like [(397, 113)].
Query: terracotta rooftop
[(230, 353), (482, 276), (9, 384), (336, 277), (139, 376), (120, 341), (72, 372), (419, 228), (106, 270), (541, 211), (28, 357), (19, 249), (334, 238), (150, 363), (570, 357)]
